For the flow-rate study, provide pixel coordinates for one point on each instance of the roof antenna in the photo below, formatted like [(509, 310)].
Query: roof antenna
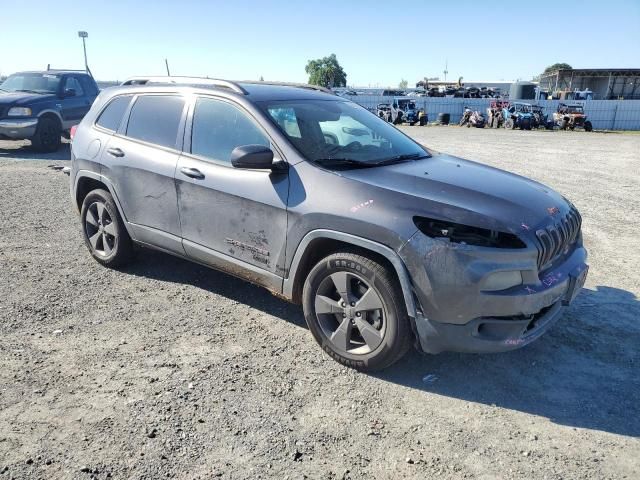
[(166, 64)]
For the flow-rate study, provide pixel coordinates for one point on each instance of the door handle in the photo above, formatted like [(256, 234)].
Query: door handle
[(192, 172), (115, 152)]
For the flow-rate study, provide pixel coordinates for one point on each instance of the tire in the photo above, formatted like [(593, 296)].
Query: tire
[(509, 124), (563, 125), (411, 124), (103, 231), (47, 137), (587, 126), (387, 334), (525, 124)]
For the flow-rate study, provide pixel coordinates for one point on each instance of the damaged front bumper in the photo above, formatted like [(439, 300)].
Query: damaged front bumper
[(456, 314)]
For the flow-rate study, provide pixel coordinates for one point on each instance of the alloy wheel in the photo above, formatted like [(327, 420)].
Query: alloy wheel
[(351, 313), (100, 229)]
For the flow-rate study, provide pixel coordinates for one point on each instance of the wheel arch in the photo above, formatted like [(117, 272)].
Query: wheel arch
[(318, 244), (85, 182), (53, 115)]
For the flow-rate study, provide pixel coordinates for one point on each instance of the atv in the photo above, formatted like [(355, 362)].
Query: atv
[(571, 116), (472, 118), (494, 113), (402, 110), (540, 119), (518, 115), (383, 110)]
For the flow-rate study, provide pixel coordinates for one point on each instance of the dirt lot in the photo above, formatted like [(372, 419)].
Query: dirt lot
[(167, 369)]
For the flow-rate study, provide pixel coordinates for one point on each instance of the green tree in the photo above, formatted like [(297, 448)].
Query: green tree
[(558, 66), (326, 72), (403, 84)]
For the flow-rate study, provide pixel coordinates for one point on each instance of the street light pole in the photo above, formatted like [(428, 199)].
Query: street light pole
[(83, 35)]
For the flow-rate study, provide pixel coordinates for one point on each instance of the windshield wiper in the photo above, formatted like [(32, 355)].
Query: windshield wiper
[(342, 161), (27, 91), (402, 158)]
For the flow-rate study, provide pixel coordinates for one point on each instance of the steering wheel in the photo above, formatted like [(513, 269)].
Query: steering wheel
[(353, 146)]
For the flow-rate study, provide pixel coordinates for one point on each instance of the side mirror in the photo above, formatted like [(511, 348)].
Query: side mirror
[(69, 92), (252, 157)]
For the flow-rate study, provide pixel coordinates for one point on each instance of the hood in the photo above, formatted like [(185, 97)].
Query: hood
[(462, 191), (23, 98)]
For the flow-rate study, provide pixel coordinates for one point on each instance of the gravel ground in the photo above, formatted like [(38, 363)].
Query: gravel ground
[(168, 369)]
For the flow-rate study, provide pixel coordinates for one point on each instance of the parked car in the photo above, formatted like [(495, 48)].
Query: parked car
[(384, 243), (42, 106)]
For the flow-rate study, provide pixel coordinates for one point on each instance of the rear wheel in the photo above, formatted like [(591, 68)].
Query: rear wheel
[(355, 311), (104, 233), (587, 126), (47, 136), (509, 124)]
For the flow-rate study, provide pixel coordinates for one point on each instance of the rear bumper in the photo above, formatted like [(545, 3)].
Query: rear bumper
[(18, 129)]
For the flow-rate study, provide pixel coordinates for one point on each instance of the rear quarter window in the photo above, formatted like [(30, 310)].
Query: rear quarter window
[(111, 116), (155, 119)]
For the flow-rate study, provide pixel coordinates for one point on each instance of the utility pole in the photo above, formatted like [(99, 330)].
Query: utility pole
[(166, 64), (83, 35), (446, 66)]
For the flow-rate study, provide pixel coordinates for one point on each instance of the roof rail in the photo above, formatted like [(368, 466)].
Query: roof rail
[(177, 80), (231, 85), (290, 84)]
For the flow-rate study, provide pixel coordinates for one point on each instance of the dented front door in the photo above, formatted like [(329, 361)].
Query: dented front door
[(234, 219), (239, 214)]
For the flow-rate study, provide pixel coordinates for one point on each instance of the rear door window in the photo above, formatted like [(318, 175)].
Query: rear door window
[(219, 127), (111, 117), (156, 119)]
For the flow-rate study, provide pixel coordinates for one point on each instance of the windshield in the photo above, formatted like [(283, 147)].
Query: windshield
[(31, 82), (342, 131)]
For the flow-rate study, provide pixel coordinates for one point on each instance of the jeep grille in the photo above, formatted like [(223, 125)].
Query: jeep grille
[(555, 240)]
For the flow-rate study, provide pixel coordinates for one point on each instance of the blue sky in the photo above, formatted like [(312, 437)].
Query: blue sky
[(376, 42)]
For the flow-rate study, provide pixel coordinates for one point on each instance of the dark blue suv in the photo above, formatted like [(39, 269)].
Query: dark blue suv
[(43, 106)]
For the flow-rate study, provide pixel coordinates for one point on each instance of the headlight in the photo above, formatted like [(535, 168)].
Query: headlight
[(502, 280), (465, 234), (19, 112)]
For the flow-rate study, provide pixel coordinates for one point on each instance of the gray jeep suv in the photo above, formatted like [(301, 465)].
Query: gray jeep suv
[(384, 243)]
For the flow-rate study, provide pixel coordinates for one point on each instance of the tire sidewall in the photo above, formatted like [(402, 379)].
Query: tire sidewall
[(386, 352), (120, 251), (47, 123)]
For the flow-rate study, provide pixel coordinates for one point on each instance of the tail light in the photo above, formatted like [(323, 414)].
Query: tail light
[(72, 133)]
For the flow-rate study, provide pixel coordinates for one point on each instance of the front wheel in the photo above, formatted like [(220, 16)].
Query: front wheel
[(355, 311), (509, 124), (47, 137), (587, 126), (104, 232)]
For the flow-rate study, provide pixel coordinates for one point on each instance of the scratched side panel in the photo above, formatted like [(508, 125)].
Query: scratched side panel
[(240, 213), (144, 182)]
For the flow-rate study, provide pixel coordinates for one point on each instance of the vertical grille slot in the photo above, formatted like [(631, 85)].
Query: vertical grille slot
[(555, 239)]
